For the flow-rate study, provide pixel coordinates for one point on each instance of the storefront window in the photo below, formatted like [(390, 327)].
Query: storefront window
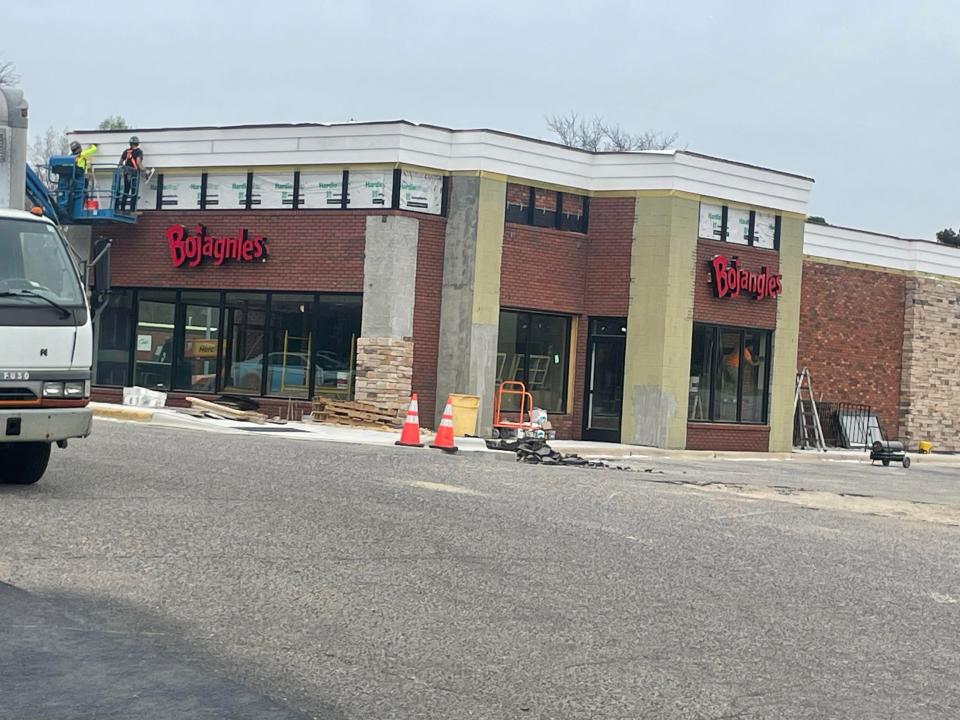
[(729, 374), (243, 348), (281, 344), (114, 326), (754, 378), (291, 345), (533, 348), (197, 365), (335, 349), (153, 356)]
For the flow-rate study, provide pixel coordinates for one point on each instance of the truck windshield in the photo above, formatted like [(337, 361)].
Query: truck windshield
[(33, 258)]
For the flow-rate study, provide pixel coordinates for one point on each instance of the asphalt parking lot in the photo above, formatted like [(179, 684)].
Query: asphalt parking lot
[(186, 574)]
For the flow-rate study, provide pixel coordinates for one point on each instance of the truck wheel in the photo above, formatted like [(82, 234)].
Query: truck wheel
[(23, 463)]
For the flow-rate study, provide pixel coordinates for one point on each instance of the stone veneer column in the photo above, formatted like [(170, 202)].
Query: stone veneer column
[(384, 372), (384, 364), (930, 385), (470, 306), (659, 324)]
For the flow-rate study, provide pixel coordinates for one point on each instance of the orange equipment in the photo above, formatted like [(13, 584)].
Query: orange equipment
[(501, 418)]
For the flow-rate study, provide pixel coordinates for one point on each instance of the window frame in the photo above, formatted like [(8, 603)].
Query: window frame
[(717, 369), (179, 334), (394, 203), (751, 233), (557, 223), (524, 342)]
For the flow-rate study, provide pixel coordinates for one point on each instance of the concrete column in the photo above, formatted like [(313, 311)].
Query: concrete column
[(384, 367), (470, 305), (659, 324), (783, 373), (389, 276)]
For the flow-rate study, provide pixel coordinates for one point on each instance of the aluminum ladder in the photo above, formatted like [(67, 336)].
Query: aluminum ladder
[(811, 432)]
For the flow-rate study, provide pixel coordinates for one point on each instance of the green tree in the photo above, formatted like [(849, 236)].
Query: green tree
[(113, 122), (949, 236), (816, 219)]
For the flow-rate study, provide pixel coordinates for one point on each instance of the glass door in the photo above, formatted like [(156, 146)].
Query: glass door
[(603, 390), (153, 360)]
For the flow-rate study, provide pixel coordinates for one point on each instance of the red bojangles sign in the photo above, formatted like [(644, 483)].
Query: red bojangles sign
[(730, 280), (190, 248)]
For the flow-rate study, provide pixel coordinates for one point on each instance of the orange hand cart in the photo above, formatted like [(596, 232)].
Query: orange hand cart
[(513, 423)]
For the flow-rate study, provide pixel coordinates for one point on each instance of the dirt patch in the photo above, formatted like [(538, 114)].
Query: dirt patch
[(861, 504)]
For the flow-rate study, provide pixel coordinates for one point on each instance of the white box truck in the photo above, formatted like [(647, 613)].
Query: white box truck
[(46, 331), (46, 346)]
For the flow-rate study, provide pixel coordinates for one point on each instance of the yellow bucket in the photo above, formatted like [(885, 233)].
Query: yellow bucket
[(925, 446), (465, 408)]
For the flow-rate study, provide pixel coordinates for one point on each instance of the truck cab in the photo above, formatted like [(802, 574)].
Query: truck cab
[(46, 346)]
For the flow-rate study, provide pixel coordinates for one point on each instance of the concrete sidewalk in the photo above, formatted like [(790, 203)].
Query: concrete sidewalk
[(171, 417)]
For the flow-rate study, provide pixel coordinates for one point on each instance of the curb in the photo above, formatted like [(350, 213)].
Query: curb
[(121, 412)]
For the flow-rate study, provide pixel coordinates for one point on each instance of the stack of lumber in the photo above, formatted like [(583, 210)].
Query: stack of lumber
[(211, 409), (354, 414)]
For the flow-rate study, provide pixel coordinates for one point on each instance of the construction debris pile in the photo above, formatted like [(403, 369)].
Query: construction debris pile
[(230, 408), (537, 452), (353, 414)]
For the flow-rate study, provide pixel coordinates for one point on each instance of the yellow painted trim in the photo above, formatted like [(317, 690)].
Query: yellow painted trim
[(491, 205), (666, 194)]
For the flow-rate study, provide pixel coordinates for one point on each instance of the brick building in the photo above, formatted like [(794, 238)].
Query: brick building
[(880, 326), (652, 298)]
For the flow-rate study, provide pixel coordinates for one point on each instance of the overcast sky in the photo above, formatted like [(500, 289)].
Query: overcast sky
[(862, 96)]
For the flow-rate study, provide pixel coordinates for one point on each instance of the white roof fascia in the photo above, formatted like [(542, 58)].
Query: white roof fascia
[(458, 151), (858, 246)]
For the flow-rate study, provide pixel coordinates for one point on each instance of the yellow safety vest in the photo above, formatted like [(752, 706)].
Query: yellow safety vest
[(84, 154)]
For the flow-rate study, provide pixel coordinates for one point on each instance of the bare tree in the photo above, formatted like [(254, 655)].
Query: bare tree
[(8, 73), (599, 135), (52, 142), (113, 122)]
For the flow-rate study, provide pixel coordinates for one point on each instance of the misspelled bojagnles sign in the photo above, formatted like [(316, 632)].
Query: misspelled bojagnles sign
[(191, 247), (730, 280)]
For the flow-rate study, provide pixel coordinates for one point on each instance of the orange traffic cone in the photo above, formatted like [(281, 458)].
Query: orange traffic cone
[(444, 439), (410, 436)]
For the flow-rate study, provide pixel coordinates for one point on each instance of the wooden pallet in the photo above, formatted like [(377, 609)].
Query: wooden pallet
[(352, 413)]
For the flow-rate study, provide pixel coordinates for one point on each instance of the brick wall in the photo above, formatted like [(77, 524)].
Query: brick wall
[(542, 269), (610, 234), (930, 405), (741, 311), (310, 251), (318, 251), (426, 314), (853, 356), (573, 274), (746, 438)]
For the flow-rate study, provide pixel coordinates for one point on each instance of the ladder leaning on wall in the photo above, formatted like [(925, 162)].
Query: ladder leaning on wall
[(811, 432)]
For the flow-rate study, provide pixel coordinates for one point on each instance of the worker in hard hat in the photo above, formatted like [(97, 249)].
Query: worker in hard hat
[(81, 187), (81, 154), (131, 165)]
